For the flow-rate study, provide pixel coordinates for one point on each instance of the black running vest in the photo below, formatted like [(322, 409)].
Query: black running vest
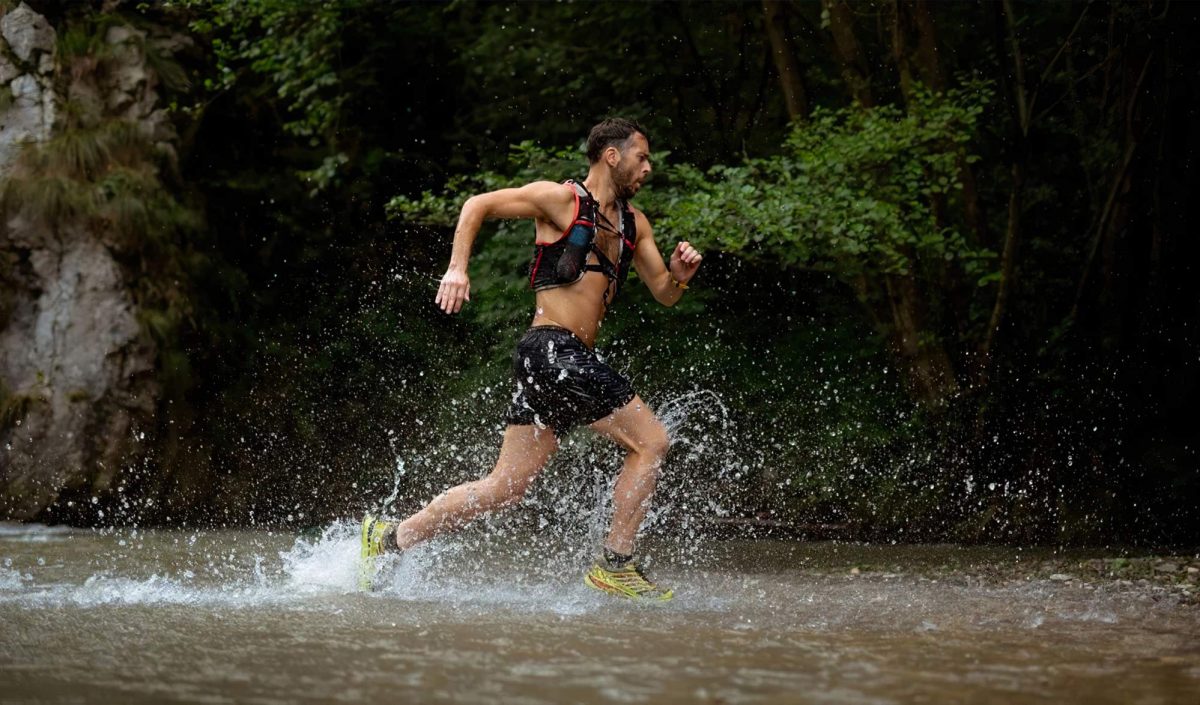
[(564, 261)]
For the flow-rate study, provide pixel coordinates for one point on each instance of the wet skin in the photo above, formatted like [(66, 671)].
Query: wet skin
[(579, 308)]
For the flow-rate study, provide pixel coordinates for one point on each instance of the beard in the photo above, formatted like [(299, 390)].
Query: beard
[(625, 182)]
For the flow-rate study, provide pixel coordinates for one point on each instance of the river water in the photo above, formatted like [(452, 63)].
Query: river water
[(254, 617)]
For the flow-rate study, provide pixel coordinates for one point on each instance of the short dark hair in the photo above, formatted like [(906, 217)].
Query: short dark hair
[(612, 131)]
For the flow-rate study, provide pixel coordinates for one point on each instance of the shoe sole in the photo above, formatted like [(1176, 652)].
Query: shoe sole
[(366, 562), (607, 590)]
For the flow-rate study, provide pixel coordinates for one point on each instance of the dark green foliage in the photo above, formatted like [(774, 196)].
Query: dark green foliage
[(849, 194), (295, 44)]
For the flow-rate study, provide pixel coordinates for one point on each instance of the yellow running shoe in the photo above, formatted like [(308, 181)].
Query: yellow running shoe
[(628, 581), (374, 532)]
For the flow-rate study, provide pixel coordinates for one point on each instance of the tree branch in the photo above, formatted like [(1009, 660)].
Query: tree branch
[(1126, 159)]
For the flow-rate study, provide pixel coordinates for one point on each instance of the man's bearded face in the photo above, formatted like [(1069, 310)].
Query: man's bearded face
[(633, 168), (625, 178)]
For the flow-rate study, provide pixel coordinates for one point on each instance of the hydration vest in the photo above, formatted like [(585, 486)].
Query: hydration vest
[(564, 261)]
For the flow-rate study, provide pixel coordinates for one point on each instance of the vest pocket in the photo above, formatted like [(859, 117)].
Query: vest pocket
[(575, 248)]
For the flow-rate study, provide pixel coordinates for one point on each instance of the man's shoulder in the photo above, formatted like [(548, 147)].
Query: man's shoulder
[(548, 193), (556, 190), (552, 199), (639, 217)]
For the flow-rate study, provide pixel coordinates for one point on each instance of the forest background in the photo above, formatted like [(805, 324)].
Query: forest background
[(948, 291)]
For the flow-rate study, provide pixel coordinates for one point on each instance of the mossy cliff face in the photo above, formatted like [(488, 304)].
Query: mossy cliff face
[(78, 388)]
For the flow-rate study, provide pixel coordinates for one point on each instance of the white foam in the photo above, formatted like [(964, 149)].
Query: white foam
[(99, 590), (327, 565), (416, 577), (316, 573), (11, 579)]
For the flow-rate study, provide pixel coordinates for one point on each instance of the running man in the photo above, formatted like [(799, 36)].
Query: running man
[(587, 236)]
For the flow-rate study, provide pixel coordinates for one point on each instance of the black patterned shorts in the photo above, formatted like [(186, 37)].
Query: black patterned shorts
[(561, 383)]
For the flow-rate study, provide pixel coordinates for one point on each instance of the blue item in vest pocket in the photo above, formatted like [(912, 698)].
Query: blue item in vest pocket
[(578, 244)]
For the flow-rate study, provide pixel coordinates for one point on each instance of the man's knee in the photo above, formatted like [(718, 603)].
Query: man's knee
[(656, 442)]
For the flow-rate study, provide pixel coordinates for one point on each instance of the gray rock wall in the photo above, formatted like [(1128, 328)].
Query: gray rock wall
[(78, 391), (27, 71)]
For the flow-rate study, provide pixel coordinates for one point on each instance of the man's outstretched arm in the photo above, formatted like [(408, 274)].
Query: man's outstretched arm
[(663, 280), (541, 199)]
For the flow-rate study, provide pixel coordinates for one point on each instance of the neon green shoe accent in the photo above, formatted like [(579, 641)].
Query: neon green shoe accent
[(627, 581), (371, 548)]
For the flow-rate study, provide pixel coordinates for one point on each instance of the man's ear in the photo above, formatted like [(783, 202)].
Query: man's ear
[(612, 156)]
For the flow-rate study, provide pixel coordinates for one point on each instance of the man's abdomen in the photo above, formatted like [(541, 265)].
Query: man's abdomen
[(578, 307)]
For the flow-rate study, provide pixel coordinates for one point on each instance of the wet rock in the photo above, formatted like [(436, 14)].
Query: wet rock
[(77, 339), (129, 87), (30, 113), (71, 344), (28, 117), (26, 92), (1166, 567), (27, 32), (1061, 577), (130, 80), (8, 71)]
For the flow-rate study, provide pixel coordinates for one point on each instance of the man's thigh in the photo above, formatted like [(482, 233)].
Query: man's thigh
[(633, 426), (526, 450)]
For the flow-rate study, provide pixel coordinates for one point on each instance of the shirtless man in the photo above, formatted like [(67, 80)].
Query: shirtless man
[(587, 237)]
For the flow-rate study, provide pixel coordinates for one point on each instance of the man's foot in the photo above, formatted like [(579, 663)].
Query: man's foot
[(626, 581), (375, 543)]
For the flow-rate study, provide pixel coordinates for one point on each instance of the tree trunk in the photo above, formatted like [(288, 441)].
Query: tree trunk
[(919, 19), (914, 52), (1114, 214), (904, 319), (1008, 260), (927, 367), (929, 67), (791, 79), (849, 53)]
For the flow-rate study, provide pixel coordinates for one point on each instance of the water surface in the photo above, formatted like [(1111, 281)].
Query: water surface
[(253, 617)]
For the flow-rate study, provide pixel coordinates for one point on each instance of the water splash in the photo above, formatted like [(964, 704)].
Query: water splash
[(389, 502), (170, 568), (571, 501), (11, 579), (328, 564)]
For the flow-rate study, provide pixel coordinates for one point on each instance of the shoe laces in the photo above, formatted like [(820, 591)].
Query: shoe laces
[(631, 576)]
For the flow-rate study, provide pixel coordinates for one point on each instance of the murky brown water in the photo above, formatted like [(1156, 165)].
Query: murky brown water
[(242, 617)]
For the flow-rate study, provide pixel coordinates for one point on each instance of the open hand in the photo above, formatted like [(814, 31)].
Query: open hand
[(684, 262), (454, 290)]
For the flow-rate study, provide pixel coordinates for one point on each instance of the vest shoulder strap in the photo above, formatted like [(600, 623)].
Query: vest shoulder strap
[(580, 189)]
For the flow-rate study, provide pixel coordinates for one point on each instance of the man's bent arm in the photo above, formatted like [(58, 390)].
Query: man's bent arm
[(651, 269), (536, 200)]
